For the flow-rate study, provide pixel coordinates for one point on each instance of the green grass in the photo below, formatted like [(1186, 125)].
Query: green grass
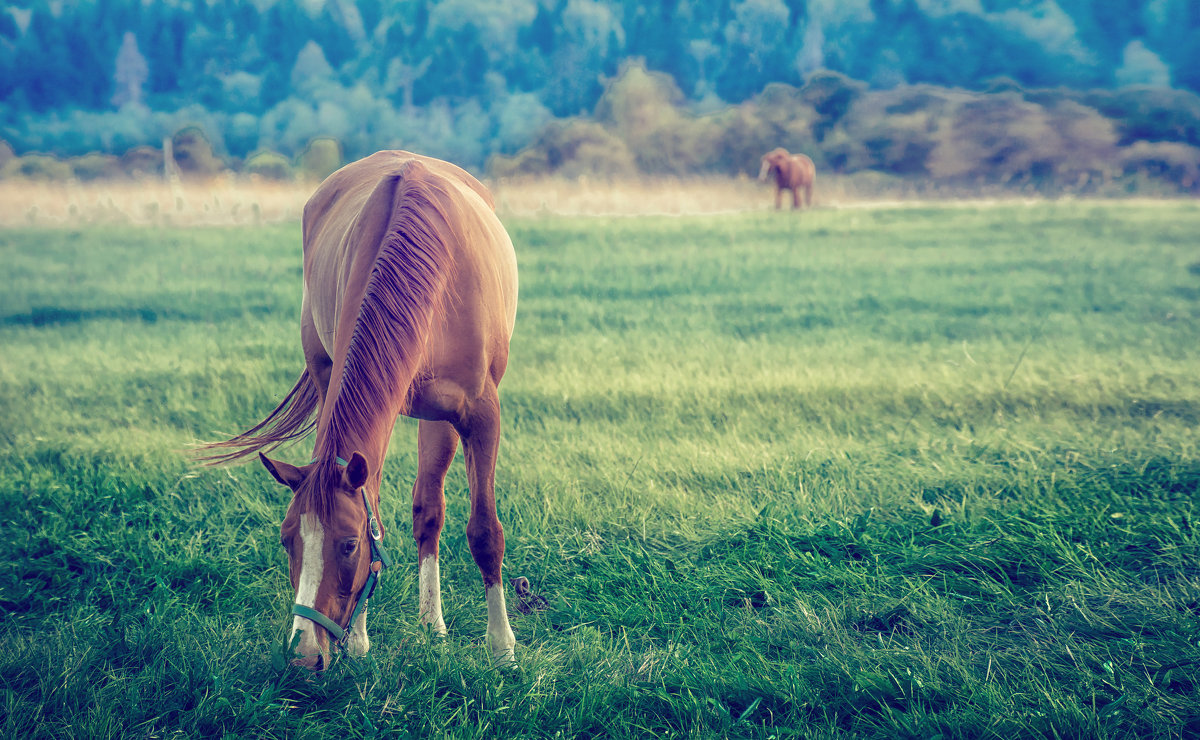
[(910, 472)]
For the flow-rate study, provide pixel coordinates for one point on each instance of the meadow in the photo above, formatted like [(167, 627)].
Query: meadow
[(896, 471)]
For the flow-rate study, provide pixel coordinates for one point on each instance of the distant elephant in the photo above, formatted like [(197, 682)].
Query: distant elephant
[(792, 172)]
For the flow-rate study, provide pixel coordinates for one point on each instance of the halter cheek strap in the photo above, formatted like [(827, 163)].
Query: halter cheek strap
[(378, 555)]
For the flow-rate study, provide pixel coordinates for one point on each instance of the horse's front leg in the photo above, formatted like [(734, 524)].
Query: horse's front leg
[(436, 444), (481, 442)]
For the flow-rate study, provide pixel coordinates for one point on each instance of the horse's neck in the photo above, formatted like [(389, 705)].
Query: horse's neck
[(368, 435)]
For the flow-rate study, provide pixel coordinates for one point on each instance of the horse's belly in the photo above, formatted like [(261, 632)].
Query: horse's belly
[(322, 299)]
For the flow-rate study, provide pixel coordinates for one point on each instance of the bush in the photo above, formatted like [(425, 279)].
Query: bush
[(268, 164), (96, 166), (142, 161), (830, 94), (37, 167), (1000, 138), (1150, 114), (1177, 163), (194, 154), (645, 110), (321, 158), (1087, 142), (6, 154), (742, 137), (792, 119), (893, 130), (570, 148), (778, 117)]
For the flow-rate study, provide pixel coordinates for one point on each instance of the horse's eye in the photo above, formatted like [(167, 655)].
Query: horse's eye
[(348, 548)]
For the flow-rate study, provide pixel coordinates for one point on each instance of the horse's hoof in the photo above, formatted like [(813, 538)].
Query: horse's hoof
[(503, 648), (436, 630), (505, 658)]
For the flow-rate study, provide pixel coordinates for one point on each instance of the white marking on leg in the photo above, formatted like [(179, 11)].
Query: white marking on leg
[(499, 634), (312, 567), (431, 595)]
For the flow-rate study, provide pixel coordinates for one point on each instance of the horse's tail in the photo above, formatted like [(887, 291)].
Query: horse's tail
[(291, 420)]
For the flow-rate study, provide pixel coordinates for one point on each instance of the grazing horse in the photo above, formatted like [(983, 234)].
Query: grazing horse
[(410, 295), (793, 172)]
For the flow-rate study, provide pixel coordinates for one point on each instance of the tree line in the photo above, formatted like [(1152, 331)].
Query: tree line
[(549, 84), (1007, 135)]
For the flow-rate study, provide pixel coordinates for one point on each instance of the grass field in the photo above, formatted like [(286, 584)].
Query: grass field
[(884, 472)]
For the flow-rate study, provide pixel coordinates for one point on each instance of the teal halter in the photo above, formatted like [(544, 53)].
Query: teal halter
[(378, 555)]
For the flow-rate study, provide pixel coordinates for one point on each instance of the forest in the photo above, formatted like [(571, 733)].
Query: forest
[(1066, 91)]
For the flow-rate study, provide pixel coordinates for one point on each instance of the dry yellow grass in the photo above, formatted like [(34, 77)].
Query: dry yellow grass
[(584, 196), (230, 201), (217, 202), (234, 201)]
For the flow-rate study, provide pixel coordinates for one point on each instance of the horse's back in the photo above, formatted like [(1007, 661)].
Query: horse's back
[(806, 171), (348, 218)]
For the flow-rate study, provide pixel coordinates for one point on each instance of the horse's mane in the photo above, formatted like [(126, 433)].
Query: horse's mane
[(405, 293)]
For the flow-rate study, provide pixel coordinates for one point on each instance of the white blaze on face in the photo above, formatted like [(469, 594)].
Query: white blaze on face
[(762, 173), (312, 566)]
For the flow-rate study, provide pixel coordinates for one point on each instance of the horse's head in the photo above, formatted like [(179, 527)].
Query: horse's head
[(333, 548), (773, 162)]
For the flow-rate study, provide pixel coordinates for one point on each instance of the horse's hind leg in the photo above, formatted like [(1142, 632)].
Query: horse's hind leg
[(436, 443), (481, 441)]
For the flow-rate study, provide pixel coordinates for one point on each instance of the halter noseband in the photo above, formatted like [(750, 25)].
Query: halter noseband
[(378, 555)]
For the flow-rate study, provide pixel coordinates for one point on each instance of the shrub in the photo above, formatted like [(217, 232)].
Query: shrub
[(777, 117), (830, 94), (742, 137), (1087, 142), (96, 166), (141, 161), (321, 158), (268, 164), (792, 119), (893, 130), (37, 167), (1150, 114), (995, 137), (194, 154), (6, 153), (570, 147), (1172, 161), (643, 109)]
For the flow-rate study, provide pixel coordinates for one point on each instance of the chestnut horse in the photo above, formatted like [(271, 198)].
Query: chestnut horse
[(793, 172), (410, 295)]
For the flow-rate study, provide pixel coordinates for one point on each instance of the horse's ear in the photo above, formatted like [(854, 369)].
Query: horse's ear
[(289, 475), (356, 472)]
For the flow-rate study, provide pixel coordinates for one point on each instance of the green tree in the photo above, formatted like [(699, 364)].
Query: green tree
[(131, 73)]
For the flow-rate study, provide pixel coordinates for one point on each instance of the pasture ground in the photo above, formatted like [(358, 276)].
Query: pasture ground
[(885, 472)]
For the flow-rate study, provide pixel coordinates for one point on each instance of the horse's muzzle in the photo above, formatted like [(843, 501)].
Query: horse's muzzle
[(311, 662)]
